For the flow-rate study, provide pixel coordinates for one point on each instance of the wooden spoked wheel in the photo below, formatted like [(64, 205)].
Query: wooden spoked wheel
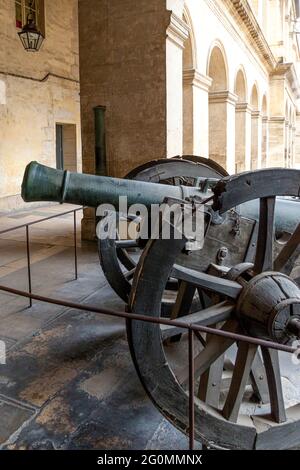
[(257, 299), (117, 260)]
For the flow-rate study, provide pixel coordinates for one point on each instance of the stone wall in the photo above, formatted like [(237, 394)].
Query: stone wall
[(37, 90), (123, 67)]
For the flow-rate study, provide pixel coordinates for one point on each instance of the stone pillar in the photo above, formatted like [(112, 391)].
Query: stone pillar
[(287, 144), (222, 128), (294, 147), (256, 140), (265, 142), (277, 141), (297, 142), (242, 137), (290, 152), (177, 34), (195, 113)]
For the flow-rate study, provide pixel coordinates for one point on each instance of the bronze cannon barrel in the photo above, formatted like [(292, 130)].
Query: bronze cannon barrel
[(42, 183)]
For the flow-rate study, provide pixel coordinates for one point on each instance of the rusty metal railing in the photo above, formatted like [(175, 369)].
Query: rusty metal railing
[(192, 330), (27, 234)]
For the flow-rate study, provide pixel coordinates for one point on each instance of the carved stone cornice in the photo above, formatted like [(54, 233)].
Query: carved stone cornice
[(177, 31), (256, 114), (277, 119), (192, 77), (244, 11), (287, 71), (243, 108), (222, 97)]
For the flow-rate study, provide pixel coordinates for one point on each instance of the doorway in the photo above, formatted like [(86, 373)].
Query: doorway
[(66, 148)]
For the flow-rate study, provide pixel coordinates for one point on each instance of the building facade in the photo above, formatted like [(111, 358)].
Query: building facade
[(39, 93), (216, 78)]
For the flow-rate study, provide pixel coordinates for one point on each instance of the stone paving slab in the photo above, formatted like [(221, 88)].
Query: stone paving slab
[(13, 417), (69, 381), (78, 373)]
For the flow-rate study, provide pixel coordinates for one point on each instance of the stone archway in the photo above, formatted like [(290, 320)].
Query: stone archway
[(242, 124), (286, 135), (265, 133), (221, 104), (256, 130), (291, 139), (188, 105), (195, 97)]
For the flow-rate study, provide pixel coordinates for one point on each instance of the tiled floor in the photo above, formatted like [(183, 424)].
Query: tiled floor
[(68, 382)]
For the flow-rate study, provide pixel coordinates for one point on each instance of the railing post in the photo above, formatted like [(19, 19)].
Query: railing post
[(191, 391), (75, 246), (28, 264)]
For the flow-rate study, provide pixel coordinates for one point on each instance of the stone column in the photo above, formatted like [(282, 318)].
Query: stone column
[(256, 140), (290, 152), (265, 142), (294, 147), (287, 144), (277, 141), (222, 128), (177, 34), (297, 142), (243, 137), (195, 113)]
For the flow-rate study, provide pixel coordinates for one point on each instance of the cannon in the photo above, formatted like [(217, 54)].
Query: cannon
[(245, 279), (118, 256)]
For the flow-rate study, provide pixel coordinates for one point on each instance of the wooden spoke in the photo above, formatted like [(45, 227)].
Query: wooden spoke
[(264, 250), (125, 259), (129, 275), (210, 316), (244, 359), (271, 360), (289, 254), (259, 381), (126, 244), (258, 377), (214, 349), (204, 299), (211, 381), (184, 300), (208, 282), (200, 338), (182, 306)]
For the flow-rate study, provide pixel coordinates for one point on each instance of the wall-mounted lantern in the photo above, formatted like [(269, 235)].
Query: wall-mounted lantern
[(30, 36)]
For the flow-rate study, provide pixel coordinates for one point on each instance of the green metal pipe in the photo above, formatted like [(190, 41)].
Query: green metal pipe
[(100, 141)]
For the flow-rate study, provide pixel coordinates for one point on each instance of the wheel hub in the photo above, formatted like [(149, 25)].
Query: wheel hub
[(269, 307)]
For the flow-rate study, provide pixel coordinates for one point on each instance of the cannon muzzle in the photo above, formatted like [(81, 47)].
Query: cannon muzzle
[(42, 183)]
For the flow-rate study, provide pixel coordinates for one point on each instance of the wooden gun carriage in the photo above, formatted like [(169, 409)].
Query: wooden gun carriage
[(245, 279)]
